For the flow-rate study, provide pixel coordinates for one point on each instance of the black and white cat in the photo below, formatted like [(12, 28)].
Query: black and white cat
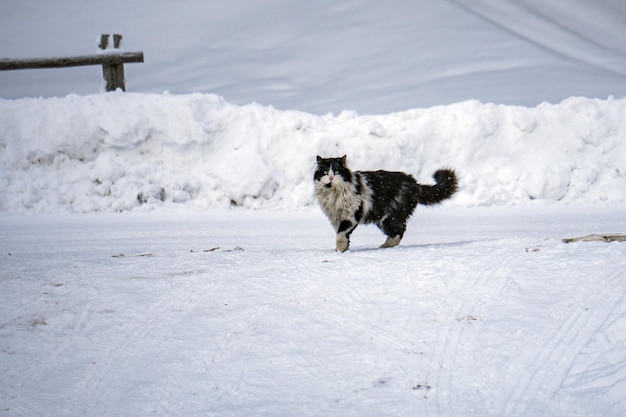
[(387, 199)]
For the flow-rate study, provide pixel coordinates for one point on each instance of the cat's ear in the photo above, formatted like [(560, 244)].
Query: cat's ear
[(343, 159), (319, 159)]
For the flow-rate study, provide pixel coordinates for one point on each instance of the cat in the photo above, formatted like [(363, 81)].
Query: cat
[(387, 199)]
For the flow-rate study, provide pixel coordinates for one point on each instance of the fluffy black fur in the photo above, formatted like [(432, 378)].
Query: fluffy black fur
[(384, 198)]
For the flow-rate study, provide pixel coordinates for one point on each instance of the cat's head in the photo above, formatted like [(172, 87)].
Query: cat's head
[(332, 171)]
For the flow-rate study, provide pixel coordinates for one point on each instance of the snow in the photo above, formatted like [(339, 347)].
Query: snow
[(327, 56), (480, 311), (123, 151), (161, 252)]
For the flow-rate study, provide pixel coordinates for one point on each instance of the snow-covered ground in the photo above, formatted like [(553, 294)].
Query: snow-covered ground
[(327, 55), (480, 312), (161, 253)]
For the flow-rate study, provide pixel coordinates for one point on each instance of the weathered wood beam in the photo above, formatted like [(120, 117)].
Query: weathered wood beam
[(107, 58)]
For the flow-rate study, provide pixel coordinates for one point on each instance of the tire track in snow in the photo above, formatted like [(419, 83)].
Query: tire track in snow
[(350, 307), (94, 381), (455, 324), (338, 312), (461, 291), (91, 383), (548, 368), (354, 320), (31, 375), (121, 349)]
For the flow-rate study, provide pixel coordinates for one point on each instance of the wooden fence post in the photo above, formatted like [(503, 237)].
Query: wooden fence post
[(113, 73)]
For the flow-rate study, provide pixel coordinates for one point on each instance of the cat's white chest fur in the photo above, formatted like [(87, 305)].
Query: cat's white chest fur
[(337, 200)]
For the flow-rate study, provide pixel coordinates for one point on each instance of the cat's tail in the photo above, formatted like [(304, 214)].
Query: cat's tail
[(446, 185)]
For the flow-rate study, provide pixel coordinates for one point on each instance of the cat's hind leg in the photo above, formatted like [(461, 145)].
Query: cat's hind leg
[(394, 228), (391, 241)]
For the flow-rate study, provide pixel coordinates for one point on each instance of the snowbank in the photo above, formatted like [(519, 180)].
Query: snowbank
[(120, 151)]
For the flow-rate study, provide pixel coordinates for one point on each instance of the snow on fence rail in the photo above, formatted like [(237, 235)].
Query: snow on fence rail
[(112, 61)]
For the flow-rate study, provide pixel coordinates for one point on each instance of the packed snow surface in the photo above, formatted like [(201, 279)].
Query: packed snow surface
[(326, 55), (480, 312)]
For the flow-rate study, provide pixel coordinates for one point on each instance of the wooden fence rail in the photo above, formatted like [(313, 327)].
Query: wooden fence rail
[(112, 61)]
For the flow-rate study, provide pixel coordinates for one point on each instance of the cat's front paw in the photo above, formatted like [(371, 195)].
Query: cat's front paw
[(343, 244)]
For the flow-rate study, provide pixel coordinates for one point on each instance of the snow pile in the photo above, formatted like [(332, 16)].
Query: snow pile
[(115, 152)]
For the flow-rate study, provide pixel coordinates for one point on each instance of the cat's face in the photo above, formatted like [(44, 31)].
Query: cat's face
[(332, 171)]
